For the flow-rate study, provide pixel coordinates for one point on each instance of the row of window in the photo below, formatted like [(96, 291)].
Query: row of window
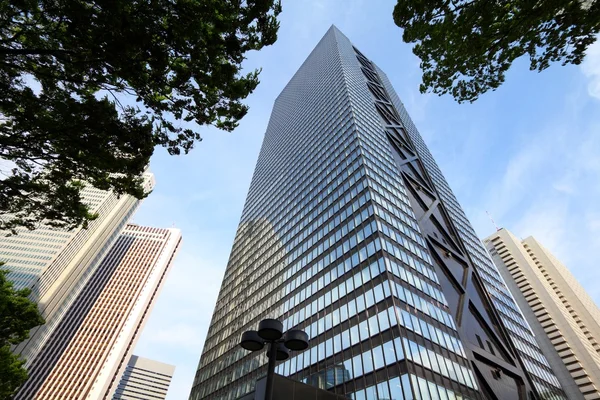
[(295, 161), (409, 277), (330, 258), (274, 212), (348, 286), (328, 276), (267, 266), (342, 289), (399, 388), (368, 328), (237, 252)]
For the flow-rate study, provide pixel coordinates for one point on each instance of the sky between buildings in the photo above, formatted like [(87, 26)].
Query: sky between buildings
[(527, 153)]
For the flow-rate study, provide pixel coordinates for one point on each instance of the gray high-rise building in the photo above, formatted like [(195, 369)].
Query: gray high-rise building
[(351, 233)]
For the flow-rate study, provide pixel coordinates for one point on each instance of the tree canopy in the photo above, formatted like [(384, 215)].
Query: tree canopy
[(18, 315), (466, 46), (89, 88)]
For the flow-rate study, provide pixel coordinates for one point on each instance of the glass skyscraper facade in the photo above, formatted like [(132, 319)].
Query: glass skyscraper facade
[(351, 233)]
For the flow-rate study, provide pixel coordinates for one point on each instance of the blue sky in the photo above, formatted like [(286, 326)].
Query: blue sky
[(527, 153)]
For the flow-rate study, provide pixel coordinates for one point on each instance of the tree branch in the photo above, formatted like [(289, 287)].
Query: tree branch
[(9, 51)]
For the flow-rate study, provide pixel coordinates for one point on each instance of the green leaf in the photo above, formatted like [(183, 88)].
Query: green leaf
[(175, 61), (467, 46)]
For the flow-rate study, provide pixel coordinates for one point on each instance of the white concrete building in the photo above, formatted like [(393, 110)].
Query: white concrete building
[(564, 318), (144, 378)]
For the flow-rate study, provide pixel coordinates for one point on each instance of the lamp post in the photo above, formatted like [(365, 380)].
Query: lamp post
[(271, 331)]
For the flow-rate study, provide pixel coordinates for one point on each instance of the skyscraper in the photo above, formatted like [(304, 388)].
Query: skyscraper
[(56, 264), (563, 316), (351, 233), (84, 358), (144, 379)]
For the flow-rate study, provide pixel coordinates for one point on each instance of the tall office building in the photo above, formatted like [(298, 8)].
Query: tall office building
[(144, 379), (564, 318), (84, 358), (56, 264), (351, 233)]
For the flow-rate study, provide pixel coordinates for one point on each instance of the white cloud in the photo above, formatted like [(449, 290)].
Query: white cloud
[(591, 69)]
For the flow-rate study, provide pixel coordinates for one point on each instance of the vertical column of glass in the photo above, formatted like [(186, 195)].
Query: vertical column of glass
[(408, 262), (306, 158), (534, 361)]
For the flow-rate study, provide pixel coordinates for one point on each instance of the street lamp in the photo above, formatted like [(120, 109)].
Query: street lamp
[(271, 331)]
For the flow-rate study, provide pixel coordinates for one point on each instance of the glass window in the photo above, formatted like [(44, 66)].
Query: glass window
[(342, 289), (337, 343), (349, 284), (396, 390), (378, 360), (354, 336), (336, 316), (367, 361), (360, 303), (357, 280), (348, 369), (334, 294), (443, 393), (321, 325), (357, 365), (451, 371), (378, 291), (366, 276), (392, 315), (293, 366), (373, 325), (300, 361), (406, 387), (406, 320), (321, 351), (328, 321), (329, 348), (399, 351), (384, 323), (351, 308), (344, 312), (423, 352), (370, 298), (383, 391), (434, 363), (360, 395), (371, 392), (423, 389), (433, 391), (364, 330), (346, 339), (374, 269), (415, 325), (442, 365), (388, 352)]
